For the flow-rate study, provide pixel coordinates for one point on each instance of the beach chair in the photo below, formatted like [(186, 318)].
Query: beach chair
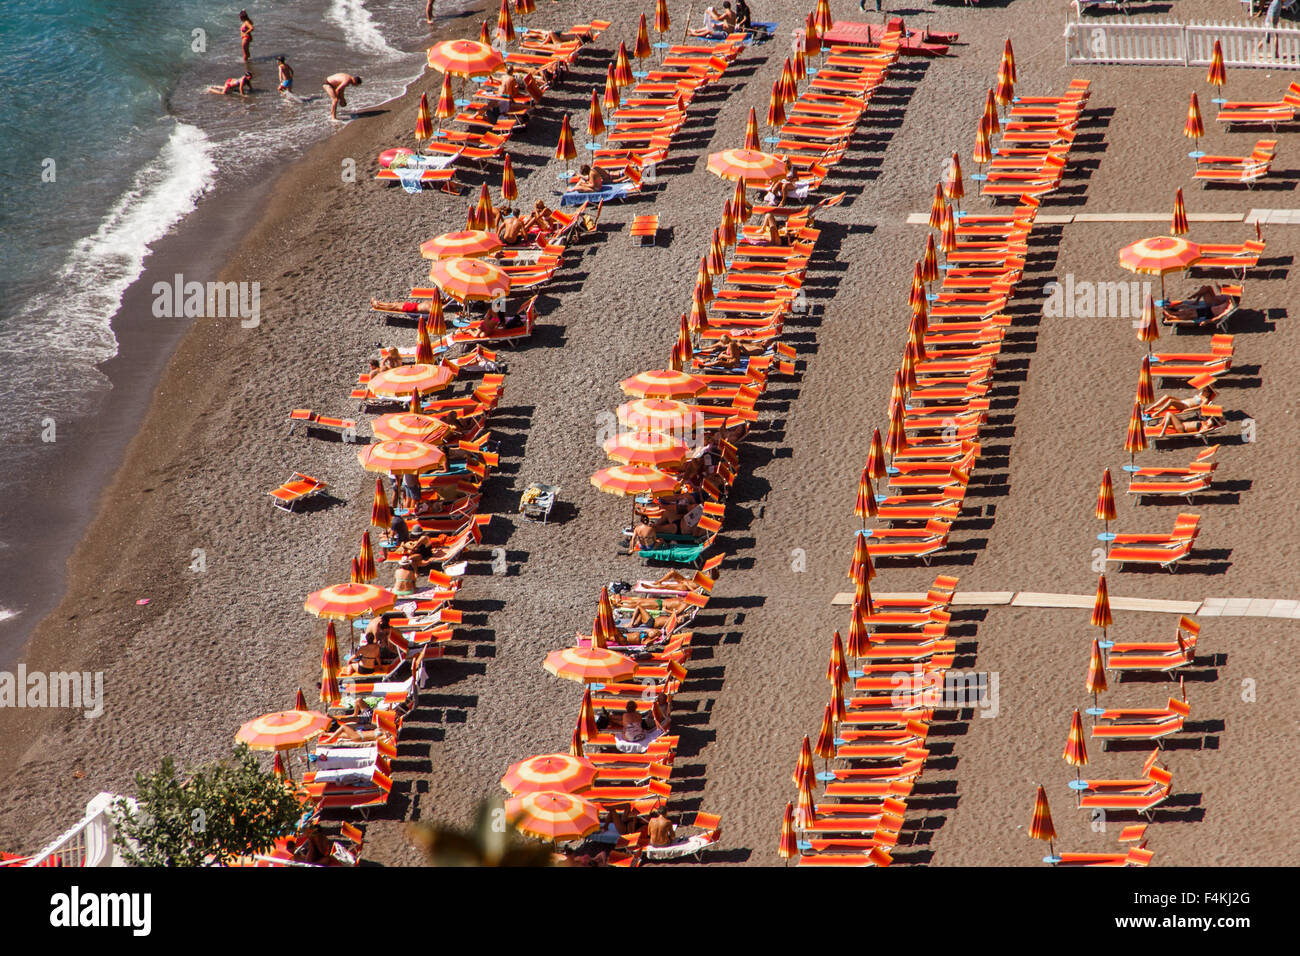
[(1142, 724), (1162, 656), (296, 488), (1180, 482), (645, 229), (1261, 113), (345, 428), (710, 827)]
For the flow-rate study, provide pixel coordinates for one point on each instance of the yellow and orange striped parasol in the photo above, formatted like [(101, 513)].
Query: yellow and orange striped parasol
[(748, 165), (446, 100), (589, 664), (553, 816), (559, 773), (659, 414), (1218, 75), (812, 37), (1076, 751), (401, 457), (345, 602), (838, 708), (740, 205), (1040, 827), (865, 507), (1148, 327), (468, 243), (612, 98), (663, 383), (644, 447), (524, 7), (1159, 255), (937, 207), (876, 456), (1009, 58), (575, 743), (628, 480), (469, 279), (1004, 91), (405, 379), (1095, 682), (587, 716), (465, 58), (805, 809), (825, 745), (837, 666), (952, 186), (1105, 510), (982, 153), (354, 574), (930, 261), (727, 226), (623, 67), (662, 22), (859, 637), (329, 669), (822, 17), (990, 118), (366, 560), (804, 766), (282, 730), (1146, 392), (776, 107), (405, 426), (948, 231)]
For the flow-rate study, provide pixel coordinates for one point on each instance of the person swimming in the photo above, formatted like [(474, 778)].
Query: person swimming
[(236, 84)]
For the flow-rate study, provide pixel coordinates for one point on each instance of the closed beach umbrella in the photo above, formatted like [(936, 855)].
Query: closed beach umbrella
[(662, 22), (381, 515), (716, 260), (812, 38), (402, 457), (524, 7), (465, 58), (822, 16), (565, 148), (553, 816), (469, 279), (1179, 226), (789, 846), (277, 767), (1005, 89), (1040, 826), (930, 262), (406, 379), (423, 121), (329, 669), (509, 188), (468, 243), (446, 99), (1218, 75), (775, 107), (605, 612), (642, 48), (825, 745), (804, 766), (860, 554), (748, 165), (1009, 58), (1136, 439), (282, 730), (948, 231), (740, 205), (916, 294), (982, 153), (865, 506), (633, 480), (937, 206), (1194, 128), (505, 25), (484, 34), (595, 118), (354, 572), (587, 716), (299, 701), (1101, 616), (727, 227), (405, 426), (423, 347), (575, 743), (366, 559), (1105, 510), (560, 773), (837, 702), (991, 115), (787, 89), (859, 633), (659, 414), (1076, 753), (805, 809), (589, 664), (622, 67), (799, 65), (1095, 683), (1146, 393), (485, 210), (663, 383), (654, 449), (751, 130), (952, 186), (345, 602), (876, 456), (837, 666), (612, 97)]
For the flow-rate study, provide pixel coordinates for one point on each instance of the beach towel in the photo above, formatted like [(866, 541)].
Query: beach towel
[(415, 161), (637, 746), (612, 191), (348, 776), (411, 179)]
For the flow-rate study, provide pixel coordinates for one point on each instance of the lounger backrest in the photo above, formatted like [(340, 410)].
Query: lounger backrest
[(1160, 776), (1150, 761), (1179, 707)]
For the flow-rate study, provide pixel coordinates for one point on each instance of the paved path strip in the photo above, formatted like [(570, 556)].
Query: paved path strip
[(1210, 607), (1278, 217)]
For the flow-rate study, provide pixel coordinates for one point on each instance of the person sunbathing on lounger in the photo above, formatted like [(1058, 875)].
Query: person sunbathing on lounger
[(496, 320), (591, 179), (312, 846), (513, 229), (1180, 407), (772, 234), (392, 358), (661, 830), (404, 580), (541, 219), (644, 538), (781, 189), (1204, 306)]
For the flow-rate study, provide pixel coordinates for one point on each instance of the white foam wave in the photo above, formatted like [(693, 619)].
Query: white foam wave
[(6, 614), (71, 323), (360, 31)]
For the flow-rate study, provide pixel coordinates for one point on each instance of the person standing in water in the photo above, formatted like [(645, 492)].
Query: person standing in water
[(245, 34), (334, 86), (428, 10), (286, 75)]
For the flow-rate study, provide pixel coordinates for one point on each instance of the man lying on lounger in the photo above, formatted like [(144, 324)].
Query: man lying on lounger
[(497, 321), (513, 229), (1206, 306)]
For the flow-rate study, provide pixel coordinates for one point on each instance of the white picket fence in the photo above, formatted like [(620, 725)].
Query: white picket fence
[(1162, 43), (88, 842)]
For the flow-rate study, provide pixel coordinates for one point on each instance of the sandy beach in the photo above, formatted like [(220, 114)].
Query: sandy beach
[(214, 648)]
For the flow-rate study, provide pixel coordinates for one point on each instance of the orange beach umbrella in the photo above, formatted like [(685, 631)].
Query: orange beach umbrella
[(1076, 752), (1179, 226), (633, 480), (509, 188), (1040, 827), (1095, 682), (663, 383), (505, 25), (1159, 256), (612, 98), (654, 449), (748, 165), (381, 515), (659, 414), (1146, 393), (876, 456), (446, 99), (469, 243), (789, 846), (825, 745), (423, 121), (1218, 75), (344, 602), (405, 426), (282, 730), (553, 816), (804, 766), (751, 130), (565, 148), (1105, 510), (1194, 128), (641, 49), (401, 457), (662, 22), (776, 107), (595, 118), (1148, 329), (465, 58), (469, 279), (1136, 440), (622, 67), (1101, 616), (866, 504), (560, 773), (405, 379), (366, 559), (589, 664)]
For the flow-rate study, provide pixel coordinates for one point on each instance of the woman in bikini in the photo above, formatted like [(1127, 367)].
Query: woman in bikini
[(245, 34)]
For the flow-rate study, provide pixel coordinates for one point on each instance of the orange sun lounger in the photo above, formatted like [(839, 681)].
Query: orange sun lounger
[(298, 487)]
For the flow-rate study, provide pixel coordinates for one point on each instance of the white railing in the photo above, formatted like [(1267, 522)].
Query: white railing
[(89, 842), (1165, 43)]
